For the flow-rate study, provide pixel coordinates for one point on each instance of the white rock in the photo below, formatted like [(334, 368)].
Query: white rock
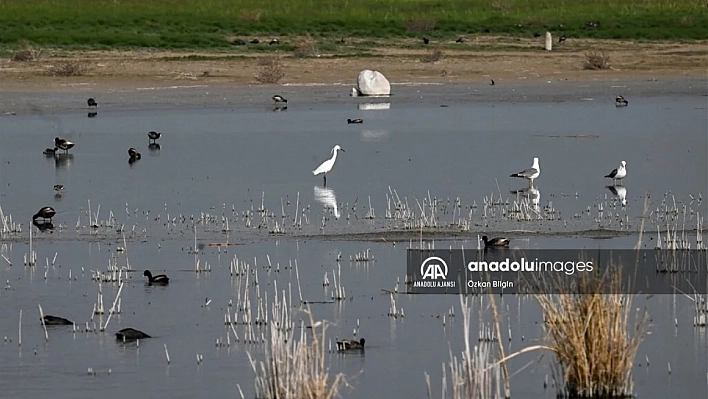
[(372, 83)]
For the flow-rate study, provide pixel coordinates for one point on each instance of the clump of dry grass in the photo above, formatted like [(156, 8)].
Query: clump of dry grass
[(433, 56), (295, 368), (271, 70), (420, 25), (594, 336), (306, 47), (251, 15), (26, 52), (596, 60), (70, 68), (475, 375)]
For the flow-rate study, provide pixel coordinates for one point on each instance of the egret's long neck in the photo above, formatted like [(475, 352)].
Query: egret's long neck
[(334, 156)]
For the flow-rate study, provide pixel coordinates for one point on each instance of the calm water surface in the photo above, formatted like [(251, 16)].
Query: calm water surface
[(229, 162)]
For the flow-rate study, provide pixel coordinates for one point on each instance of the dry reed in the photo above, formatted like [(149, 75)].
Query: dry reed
[(271, 70), (295, 368), (70, 68), (475, 375), (433, 56), (596, 60), (26, 52), (306, 47), (595, 336)]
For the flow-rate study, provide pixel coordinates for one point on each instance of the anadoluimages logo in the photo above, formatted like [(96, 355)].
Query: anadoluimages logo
[(433, 268)]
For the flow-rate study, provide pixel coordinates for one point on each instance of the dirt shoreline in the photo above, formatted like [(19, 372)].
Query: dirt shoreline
[(477, 60)]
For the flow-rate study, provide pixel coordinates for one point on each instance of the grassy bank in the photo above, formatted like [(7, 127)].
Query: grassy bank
[(214, 23)]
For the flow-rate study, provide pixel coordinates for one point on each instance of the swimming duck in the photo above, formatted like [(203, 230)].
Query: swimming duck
[(63, 144), (45, 213), (495, 242), (133, 153), (348, 344), (621, 102), (131, 334), (159, 279), (279, 99), (91, 102), (50, 320), (357, 120), (50, 151)]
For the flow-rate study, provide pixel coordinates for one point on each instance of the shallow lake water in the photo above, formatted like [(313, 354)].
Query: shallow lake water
[(252, 166)]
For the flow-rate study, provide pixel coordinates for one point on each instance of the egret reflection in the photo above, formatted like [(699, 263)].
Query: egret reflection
[(328, 198), (373, 135), (620, 192)]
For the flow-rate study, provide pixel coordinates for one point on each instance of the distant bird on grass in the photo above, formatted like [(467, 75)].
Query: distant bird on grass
[(497, 242), (161, 279), (130, 334), (621, 102), (45, 213), (491, 83), (153, 135), (357, 120), (91, 102), (561, 39), (274, 41), (328, 164), (426, 40), (279, 99), (529, 174), (460, 40), (619, 173), (348, 345), (50, 320), (255, 41), (63, 144), (238, 42)]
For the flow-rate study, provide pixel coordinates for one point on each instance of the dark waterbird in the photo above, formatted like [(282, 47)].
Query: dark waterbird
[(159, 279), (562, 39), (50, 152), (348, 344), (50, 320), (45, 213), (58, 187), (131, 334), (91, 102), (274, 41), (133, 153), (621, 102), (279, 99), (426, 40), (357, 120), (153, 135), (92, 114), (63, 144), (497, 242), (491, 82)]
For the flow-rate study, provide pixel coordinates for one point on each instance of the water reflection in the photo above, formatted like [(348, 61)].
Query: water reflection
[(620, 192), (154, 147), (373, 106), (373, 135), (63, 161), (328, 198), (92, 114), (279, 108), (43, 225), (530, 194)]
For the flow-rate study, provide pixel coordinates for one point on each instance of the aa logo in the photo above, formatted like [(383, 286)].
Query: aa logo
[(433, 268)]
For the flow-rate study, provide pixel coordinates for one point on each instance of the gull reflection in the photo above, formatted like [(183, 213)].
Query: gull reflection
[(531, 194), (373, 106), (620, 192), (328, 198)]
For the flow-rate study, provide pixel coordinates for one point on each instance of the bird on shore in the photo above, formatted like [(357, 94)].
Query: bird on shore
[(45, 213), (357, 120), (133, 153), (619, 173), (254, 41), (348, 345), (50, 151), (131, 334), (91, 102), (621, 102), (279, 99), (153, 135), (274, 41), (426, 40), (536, 34), (327, 165), (529, 174), (561, 39), (50, 320), (238, 42), (496, 242), (63, 144), (460, 40), (491, 83), (159, 279)]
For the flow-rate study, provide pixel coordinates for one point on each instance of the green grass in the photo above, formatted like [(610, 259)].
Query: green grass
[(211, 23)]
